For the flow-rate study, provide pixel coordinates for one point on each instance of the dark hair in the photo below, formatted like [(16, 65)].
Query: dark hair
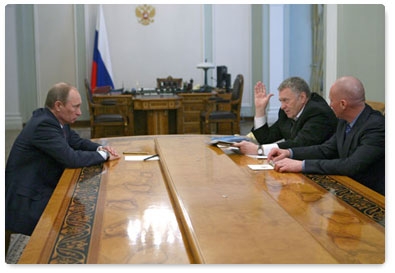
[(58, 92), (296, 84)]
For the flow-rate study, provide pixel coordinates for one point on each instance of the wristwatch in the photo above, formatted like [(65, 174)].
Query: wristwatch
[(260, 150)]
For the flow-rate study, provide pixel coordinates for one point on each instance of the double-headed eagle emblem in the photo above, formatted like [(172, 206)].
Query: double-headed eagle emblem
[(145, 13)]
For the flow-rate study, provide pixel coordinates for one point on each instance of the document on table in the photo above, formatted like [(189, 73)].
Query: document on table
[(260, 167), (141, 157), (258, 156), (229, 149)]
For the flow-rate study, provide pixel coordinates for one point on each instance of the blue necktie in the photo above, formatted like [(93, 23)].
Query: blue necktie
[(348, 129)]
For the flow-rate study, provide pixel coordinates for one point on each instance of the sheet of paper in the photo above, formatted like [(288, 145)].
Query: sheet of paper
[(260, 167), (258, 156), (140, 157)]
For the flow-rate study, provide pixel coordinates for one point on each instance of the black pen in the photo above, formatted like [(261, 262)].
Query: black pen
[(152, 156)]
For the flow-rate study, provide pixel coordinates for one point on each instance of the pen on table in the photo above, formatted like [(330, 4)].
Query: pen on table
[(135, 153), (152, 156)]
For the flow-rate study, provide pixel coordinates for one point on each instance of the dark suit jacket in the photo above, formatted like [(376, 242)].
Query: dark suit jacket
[(360, 155), (316, 124), (37, 159)]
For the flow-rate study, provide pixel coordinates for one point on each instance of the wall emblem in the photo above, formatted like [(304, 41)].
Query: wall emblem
[(145, 14)]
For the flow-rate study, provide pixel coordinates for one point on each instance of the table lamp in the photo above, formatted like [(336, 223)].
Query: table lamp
[(205, 66)]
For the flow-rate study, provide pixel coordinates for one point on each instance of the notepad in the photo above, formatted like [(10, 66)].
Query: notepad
[(260, 167)]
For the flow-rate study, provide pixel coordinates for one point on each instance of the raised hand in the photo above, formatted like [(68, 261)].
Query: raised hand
[(261, 99)]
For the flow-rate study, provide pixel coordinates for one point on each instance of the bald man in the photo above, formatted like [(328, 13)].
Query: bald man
[(357, 149)]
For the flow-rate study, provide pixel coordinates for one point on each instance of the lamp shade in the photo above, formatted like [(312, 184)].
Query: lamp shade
[(205, 65)]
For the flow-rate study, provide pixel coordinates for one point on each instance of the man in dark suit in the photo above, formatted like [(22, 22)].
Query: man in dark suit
[(304, 118), (357, 149), (39, 155)]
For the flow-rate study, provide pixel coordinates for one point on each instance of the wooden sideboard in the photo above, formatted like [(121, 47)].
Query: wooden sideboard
[(126, 109), (162, 114), (193, 104), (166, 114)]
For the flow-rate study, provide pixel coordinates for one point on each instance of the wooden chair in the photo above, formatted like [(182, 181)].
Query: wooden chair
[(106, 118), (214, 115), (376, 105), (169, 82)]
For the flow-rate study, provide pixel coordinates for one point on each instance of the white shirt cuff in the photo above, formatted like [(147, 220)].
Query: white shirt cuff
[(259, 122), (267, 147), (101, 152)]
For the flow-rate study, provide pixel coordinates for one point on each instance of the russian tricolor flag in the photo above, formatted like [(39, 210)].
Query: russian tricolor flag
[(101, 66)]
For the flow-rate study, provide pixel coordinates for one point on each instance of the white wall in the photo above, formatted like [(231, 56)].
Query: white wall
[(232, 44), (362, 27), (171, 45), (355, 45), (55, 47), (11, 103)]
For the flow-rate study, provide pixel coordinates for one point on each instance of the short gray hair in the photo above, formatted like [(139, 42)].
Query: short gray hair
[(58, 92), (296, 84)]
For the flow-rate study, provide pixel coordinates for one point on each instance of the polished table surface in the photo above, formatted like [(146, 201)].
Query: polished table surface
[(199, 204)]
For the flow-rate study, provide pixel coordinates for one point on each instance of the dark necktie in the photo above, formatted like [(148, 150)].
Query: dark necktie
[(348, 128), (64, 132), (293, 127)]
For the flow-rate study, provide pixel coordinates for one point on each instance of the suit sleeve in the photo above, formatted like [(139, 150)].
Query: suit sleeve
[(368, 147), (316, 126), (266, 134), (78, 143), (49, 138)]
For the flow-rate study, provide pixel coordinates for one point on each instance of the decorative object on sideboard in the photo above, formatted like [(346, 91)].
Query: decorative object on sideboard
[(205, 66)]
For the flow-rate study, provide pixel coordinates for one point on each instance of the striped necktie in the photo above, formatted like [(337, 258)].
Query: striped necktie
[(348, 128)]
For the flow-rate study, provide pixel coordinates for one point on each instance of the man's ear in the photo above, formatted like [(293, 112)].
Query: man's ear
[(303, 95), (343, 104), (58, 105)]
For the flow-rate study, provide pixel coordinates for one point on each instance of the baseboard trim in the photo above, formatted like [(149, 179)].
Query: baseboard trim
[(13, 122)]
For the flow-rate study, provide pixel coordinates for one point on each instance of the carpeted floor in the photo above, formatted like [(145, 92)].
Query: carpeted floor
[(17, 245)]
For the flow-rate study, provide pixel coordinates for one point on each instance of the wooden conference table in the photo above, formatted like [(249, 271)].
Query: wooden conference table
[(197, 204)]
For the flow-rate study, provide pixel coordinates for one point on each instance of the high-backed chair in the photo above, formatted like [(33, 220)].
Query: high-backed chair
[(214, 115), (376, 105), (107, 118), (169, 82)]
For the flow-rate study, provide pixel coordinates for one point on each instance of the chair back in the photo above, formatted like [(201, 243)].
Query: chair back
[(89, 98), (169, 82), (376, 105), (237, 93), (88, 92)]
